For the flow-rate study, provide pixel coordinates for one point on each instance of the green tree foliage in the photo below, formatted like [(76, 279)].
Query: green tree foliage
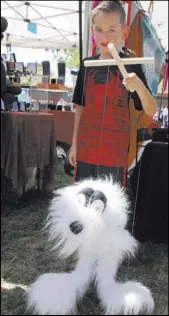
[(70, 56), (73, 58)]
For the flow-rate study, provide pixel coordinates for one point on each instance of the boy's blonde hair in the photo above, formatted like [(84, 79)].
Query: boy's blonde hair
[(106, 7)]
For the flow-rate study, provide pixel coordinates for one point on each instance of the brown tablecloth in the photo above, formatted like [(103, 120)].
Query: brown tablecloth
[(64, 123), (27, 140)]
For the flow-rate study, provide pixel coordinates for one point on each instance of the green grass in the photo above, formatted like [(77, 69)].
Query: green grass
[(25, 255)]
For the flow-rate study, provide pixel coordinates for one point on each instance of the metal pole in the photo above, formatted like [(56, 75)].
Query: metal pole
[(86, 27), (162, 94), (80, 31), (8, 47)]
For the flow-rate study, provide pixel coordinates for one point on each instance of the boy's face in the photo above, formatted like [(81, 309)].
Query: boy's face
[(108, 28)]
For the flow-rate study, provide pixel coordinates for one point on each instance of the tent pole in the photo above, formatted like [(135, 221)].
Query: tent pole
[(86, 26), (80, 31), (8, 47), (162, 93)]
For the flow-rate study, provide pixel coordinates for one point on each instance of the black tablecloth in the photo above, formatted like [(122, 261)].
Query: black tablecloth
[(161, 135), (151, 221)]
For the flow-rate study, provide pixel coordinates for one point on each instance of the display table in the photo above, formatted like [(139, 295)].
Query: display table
[(50, 95), (28, 140), (64, 124)]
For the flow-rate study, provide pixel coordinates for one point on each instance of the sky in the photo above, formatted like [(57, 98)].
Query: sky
[(159, 20)]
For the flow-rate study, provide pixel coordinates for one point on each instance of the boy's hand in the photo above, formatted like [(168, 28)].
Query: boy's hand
[(132, 82), (72, 156)]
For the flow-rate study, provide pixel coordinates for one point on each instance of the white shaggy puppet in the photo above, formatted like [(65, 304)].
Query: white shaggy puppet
[(89, 218)]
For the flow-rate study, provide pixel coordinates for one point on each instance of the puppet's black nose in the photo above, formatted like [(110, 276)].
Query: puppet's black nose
[(76, 227)]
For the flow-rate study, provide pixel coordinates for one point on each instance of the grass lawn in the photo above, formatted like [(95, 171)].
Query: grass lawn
[(25, 255)]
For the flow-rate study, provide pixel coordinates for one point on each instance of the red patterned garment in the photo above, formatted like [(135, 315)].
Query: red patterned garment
[(104, 132), (104, 127)]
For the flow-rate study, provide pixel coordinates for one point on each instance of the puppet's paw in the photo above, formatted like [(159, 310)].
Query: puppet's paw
[(130, 298), (53, 294), (136, 299)]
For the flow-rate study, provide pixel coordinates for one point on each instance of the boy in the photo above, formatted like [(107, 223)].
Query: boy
[(102, 124)]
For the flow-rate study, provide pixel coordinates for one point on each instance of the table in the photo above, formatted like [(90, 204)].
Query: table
[(64, 124), (50, 95), (27, 140), (151, 221)]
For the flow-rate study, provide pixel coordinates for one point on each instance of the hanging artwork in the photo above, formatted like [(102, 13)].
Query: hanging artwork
[(151, 48)]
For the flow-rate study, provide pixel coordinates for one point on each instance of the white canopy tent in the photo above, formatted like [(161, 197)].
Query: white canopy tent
[(57, 23)]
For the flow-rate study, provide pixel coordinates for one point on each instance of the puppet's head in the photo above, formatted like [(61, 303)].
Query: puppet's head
[(87, 215)]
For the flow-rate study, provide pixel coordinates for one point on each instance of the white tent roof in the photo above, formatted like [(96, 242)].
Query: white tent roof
[(57, 23)]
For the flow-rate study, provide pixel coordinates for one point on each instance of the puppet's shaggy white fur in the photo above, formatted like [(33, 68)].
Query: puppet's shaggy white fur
[(89, 218)]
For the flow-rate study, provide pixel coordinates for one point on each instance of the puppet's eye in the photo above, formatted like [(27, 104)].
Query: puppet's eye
[(81, 199), (98, 206)]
